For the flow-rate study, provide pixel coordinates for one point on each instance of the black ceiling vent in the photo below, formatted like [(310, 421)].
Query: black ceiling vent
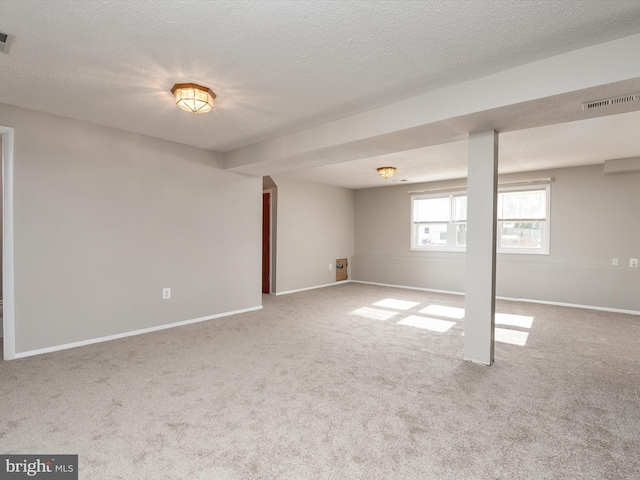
[(5, 42), (611, 101)]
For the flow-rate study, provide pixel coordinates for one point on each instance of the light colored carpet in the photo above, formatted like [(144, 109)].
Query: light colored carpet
[(308, 389)]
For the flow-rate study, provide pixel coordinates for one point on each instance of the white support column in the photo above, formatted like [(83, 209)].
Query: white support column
[(480, 285)]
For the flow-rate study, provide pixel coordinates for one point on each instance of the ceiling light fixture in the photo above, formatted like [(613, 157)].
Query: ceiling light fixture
[(193, 98), (386, 172)]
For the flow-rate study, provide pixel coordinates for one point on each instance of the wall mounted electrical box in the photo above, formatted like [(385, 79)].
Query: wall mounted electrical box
[(341, 269)]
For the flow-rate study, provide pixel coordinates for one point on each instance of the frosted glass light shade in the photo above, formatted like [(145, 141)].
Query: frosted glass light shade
[(386, 172), (193, 98)]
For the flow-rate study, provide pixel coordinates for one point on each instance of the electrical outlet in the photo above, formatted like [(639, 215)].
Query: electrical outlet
[(331, 266), (166, 293), (633, 262), (614, 262)]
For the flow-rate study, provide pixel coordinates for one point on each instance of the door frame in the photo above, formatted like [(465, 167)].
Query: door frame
[(272, 199), (8, 290)]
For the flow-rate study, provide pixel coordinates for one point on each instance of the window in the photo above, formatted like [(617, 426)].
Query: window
[(439, 221), (522, 220)]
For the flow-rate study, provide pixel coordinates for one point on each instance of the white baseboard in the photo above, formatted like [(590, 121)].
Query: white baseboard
[(511, 299), (572, 305), (82, 343), (407, 287), (313, 288)]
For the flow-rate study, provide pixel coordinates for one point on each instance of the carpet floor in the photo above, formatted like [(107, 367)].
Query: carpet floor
[(349, 382)]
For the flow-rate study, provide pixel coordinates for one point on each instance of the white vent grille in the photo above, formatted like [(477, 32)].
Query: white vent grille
[(611, 101)]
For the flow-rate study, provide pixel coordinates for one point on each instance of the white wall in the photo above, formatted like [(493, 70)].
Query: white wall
[(591, 222), (105, 219), (315, 226)]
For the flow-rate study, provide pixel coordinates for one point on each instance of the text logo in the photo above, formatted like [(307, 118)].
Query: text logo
[(49, 467)]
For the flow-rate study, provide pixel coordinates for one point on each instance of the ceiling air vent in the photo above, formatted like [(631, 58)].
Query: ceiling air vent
[(611, 101), (5, 42)]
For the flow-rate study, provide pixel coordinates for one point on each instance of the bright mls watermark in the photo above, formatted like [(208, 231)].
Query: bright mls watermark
[(50, 467)]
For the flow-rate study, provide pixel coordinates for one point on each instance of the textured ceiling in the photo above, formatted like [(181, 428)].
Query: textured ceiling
[(276, 66), (562, 145)]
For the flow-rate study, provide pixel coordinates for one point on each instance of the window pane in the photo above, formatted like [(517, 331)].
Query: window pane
[(460, 206), (432, 210), (434, 234), (461, 234), (518, 205), (521, 234)]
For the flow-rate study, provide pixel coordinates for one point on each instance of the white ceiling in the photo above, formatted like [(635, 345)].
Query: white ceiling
[(282, 66), (571, 144)]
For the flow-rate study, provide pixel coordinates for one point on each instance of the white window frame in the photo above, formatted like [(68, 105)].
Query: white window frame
[(451, 228), (451, 224), (546, 236)]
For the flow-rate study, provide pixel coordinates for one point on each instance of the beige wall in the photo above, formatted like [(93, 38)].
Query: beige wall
[(590, 223), (314, 228), (105, 219)]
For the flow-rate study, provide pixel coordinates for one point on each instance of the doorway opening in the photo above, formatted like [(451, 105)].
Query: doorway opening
[(269, 234), (266, 242)]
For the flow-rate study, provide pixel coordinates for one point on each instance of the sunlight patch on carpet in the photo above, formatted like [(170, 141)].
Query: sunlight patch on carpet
[(397, 304), (442, 311), (426, 323), (513, 337), (514, 320), (374, 313)]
